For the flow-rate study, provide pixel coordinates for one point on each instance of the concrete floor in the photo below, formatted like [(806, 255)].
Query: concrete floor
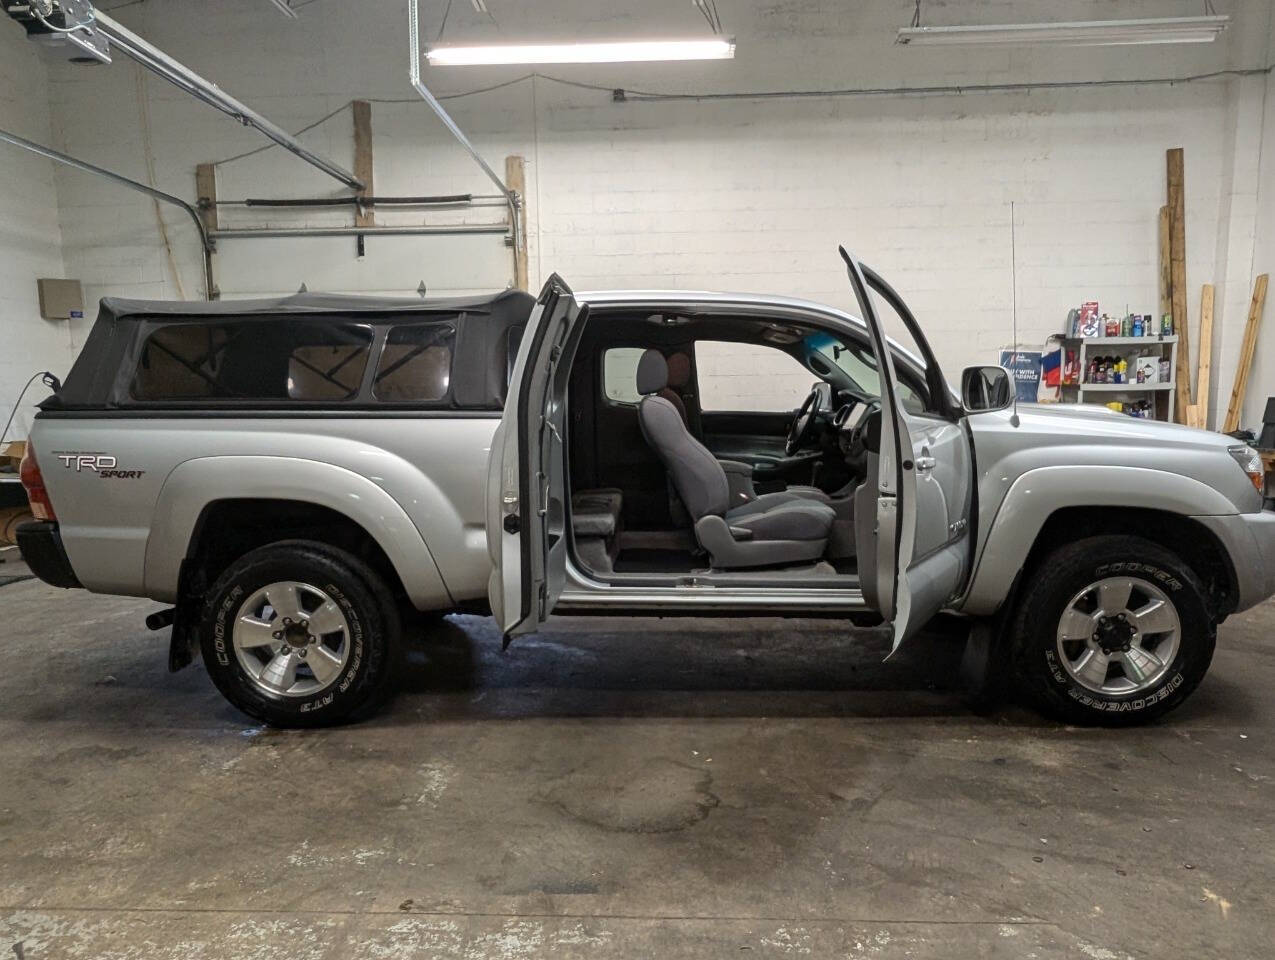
[(620, 789)]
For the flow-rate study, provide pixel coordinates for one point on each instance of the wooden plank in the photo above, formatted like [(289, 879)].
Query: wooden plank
[(516, 181), (1176, 175), (1166, 271), (206, 194), (1246, 354), (1199, 411), (362, 111)]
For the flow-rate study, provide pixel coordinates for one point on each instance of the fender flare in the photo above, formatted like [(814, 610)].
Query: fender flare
[(194, 484), (1037, 494)]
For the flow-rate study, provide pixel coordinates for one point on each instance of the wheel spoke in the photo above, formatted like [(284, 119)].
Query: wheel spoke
[(1113, 595), (327, 619), (1092, 667), (281, 672), (283, 597), (1138, 664), (1075, 625), (323, 663), (1155, 617), (251, 632)]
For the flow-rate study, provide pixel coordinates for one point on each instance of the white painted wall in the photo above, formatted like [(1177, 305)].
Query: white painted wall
[(30, 242), (736, 194)]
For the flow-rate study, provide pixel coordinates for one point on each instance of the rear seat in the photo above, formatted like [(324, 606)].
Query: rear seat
[(595, 521)]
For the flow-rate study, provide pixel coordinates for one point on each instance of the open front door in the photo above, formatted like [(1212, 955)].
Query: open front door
[(925, 482), (526, 475)]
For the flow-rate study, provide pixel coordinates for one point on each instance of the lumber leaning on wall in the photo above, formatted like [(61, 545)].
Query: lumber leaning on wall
[(1176, 176), (1246, 354), (1197, 414)]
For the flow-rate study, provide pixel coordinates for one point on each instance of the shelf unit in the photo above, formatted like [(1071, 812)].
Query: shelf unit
[(1123, 346)]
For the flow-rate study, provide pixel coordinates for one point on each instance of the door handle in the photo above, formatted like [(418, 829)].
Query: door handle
[(925, 463)]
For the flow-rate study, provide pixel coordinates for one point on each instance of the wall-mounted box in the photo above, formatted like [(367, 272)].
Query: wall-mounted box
[(60, 299)]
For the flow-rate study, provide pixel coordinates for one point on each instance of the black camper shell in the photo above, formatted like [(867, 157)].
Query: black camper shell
[(311, 351)]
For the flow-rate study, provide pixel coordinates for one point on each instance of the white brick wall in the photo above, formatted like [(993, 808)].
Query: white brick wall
[(30, 243), (738, 194)]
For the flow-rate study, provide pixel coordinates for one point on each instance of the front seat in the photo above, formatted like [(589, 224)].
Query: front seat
[(774, 528)]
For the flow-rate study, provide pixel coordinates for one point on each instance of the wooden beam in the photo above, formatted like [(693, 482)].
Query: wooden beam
[(1166, 269), (1198, 412), (516, 181), (362, 111), (206, 194), (1246, 355), (1175, 168)]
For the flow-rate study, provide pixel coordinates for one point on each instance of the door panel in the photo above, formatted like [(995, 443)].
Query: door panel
[(526, 481), (925, 495)]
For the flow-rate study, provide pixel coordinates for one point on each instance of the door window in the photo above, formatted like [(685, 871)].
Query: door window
[(749, 378)]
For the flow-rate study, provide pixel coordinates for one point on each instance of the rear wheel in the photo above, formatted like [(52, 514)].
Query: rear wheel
[(1111, 630), (300, 634)]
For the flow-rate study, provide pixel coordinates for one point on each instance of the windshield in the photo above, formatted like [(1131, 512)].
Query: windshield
[(858, 363)]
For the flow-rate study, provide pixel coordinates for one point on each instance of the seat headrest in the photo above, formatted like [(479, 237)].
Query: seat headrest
[(652, 372), (679, 370)]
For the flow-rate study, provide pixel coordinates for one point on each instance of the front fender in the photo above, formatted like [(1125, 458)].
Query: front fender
[(196, 483), (1036, 494)]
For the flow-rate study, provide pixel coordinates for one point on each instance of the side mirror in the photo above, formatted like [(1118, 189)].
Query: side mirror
[(986, 388)]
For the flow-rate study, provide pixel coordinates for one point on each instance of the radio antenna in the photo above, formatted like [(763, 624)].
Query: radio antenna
[(1013, 279)]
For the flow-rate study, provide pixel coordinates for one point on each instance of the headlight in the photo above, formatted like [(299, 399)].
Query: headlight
[(1250, 462)]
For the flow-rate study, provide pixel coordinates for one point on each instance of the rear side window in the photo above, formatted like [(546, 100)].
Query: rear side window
[(259, 359), (416, 363), (619, 374)]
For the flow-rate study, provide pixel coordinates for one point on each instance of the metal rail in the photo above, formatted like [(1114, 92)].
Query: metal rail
[(160, 63), (414, 72), (204, 239), (407, 230)]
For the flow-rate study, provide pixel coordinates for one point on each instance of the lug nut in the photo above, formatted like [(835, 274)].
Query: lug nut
[(287, 621), (278, 634), (301, 652)]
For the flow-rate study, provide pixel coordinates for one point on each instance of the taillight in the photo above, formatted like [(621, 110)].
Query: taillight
[(33, 482)]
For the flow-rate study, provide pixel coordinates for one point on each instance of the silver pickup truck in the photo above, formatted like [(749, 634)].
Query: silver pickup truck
[(301, 478)]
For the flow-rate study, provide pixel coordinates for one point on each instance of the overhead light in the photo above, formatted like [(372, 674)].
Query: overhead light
[(717, 48), (1087, 33)]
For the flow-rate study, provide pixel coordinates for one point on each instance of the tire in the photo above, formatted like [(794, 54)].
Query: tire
[(328, 676), (1050, 662)]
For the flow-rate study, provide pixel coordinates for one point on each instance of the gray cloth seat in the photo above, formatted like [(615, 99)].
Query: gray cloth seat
[(771, 529)]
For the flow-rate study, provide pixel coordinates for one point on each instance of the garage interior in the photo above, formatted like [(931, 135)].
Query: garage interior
[(636, 787)]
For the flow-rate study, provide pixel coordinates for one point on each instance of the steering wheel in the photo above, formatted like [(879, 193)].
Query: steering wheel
[(803, 424), (872, 407)]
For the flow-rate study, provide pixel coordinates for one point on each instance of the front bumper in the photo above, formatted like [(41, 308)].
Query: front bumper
[(1249, 539), (41, 547)]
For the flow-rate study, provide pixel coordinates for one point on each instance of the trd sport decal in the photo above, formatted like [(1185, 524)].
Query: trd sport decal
[(103, 464)]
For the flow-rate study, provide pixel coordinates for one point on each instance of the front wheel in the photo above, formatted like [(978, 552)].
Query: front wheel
[(1111, 630), (300, 634)]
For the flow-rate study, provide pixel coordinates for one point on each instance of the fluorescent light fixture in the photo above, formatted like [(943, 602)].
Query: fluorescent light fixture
[(1088, 33), (718, 48)]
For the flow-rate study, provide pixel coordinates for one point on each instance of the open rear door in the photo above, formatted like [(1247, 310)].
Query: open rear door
[(526, 475), (925, 484)]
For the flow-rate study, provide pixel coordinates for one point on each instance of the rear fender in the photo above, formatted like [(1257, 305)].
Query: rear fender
[(196, 483)]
